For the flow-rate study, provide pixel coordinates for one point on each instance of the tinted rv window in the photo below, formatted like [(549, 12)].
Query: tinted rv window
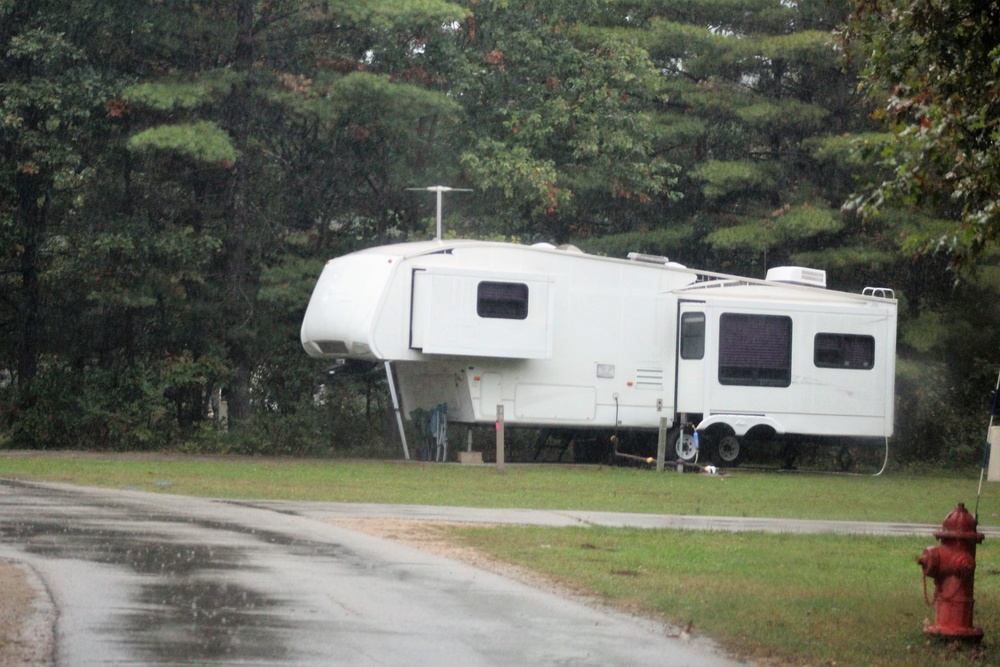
[(693, 336), (755, 350), (506, 301), (844, 351)]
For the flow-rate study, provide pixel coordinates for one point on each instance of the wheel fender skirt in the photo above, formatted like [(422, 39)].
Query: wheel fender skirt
[(740, 423)]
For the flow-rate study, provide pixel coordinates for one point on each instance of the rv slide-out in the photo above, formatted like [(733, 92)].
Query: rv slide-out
[(570, 341)]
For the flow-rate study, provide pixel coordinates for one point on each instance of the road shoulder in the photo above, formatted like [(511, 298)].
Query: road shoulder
[(27, 618)]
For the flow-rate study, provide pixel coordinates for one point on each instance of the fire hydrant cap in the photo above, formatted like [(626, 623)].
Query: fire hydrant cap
[(960, 525)]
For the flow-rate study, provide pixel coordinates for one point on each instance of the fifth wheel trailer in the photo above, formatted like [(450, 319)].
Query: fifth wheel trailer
[(571, 341)]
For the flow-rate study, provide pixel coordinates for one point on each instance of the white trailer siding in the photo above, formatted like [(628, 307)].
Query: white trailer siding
[(560, 338), (447, 313), (344, 306), (815, 400), (549, 368)]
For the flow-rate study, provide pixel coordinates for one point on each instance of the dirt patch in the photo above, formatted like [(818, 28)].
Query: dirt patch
[(434, 537), (27, 618)]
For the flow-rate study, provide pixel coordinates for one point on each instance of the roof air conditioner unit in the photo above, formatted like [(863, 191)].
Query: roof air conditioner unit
[(797, 275)]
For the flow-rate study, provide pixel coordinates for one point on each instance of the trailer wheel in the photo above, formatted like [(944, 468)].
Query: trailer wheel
[(729, 450), (684, 446)]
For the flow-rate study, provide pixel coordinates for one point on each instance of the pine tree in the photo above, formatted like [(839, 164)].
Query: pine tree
[(262, 72), (750, 90), (51, 95)]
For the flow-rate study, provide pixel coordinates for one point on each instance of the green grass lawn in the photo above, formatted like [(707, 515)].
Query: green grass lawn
[(781, 599), (899, 498)]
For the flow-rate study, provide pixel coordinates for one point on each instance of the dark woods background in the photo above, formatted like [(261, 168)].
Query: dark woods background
[(174, 174)]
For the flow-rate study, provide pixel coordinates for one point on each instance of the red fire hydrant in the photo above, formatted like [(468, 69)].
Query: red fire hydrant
[(952, 565)]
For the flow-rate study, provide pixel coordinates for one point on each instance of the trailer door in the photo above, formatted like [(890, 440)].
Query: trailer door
[(692, 336)]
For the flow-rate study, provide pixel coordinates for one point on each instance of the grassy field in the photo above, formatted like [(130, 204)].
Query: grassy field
[(781, 599), (788, 600), (922, 499)]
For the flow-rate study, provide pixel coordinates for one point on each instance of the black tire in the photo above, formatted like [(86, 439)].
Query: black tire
[(728, 451)]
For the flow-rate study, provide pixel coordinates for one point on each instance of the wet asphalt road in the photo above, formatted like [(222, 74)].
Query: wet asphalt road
[(147, 579)]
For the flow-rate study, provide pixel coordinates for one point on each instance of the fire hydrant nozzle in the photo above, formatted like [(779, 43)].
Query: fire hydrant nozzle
[(952, 566)]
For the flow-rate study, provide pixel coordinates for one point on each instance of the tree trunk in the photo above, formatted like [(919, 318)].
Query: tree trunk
[(242, 262), (31, 213)]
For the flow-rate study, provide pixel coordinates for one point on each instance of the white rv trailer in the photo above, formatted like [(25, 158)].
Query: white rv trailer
[(567, 340)]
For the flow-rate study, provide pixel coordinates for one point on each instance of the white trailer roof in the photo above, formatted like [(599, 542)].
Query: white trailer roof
[(709, 285), (758, 291)]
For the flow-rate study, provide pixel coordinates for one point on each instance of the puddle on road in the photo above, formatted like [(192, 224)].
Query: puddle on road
[(142, 552), (185, 609), (206, 621)]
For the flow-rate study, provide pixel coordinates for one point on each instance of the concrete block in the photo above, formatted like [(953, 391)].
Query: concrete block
[(470, 457)]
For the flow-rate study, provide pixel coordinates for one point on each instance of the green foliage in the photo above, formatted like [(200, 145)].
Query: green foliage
[(210, 87), (806, 48), (844, 148), (930, 68), (43, 46), (397, 14), (170, 182), (517, 174), (341, 414), (925, 332), (723, 179), (667, 242), (361, 96), (849, 260), (805, 222), (96, 409), (935, 424), (46, 110), (676, 131), (203, 141), (572, 141), (785, 116)]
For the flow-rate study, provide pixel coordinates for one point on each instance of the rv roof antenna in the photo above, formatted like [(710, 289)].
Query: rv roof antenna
[(440, 189)]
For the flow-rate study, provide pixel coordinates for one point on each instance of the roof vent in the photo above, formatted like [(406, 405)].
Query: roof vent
[(649, 259), (797, 275)]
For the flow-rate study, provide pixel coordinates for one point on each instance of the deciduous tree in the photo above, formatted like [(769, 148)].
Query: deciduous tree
[(931, 70)]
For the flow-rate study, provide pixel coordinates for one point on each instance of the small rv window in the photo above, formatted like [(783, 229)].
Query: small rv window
[(844, 351), (693, 336), (505, 301), (755, 350)]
